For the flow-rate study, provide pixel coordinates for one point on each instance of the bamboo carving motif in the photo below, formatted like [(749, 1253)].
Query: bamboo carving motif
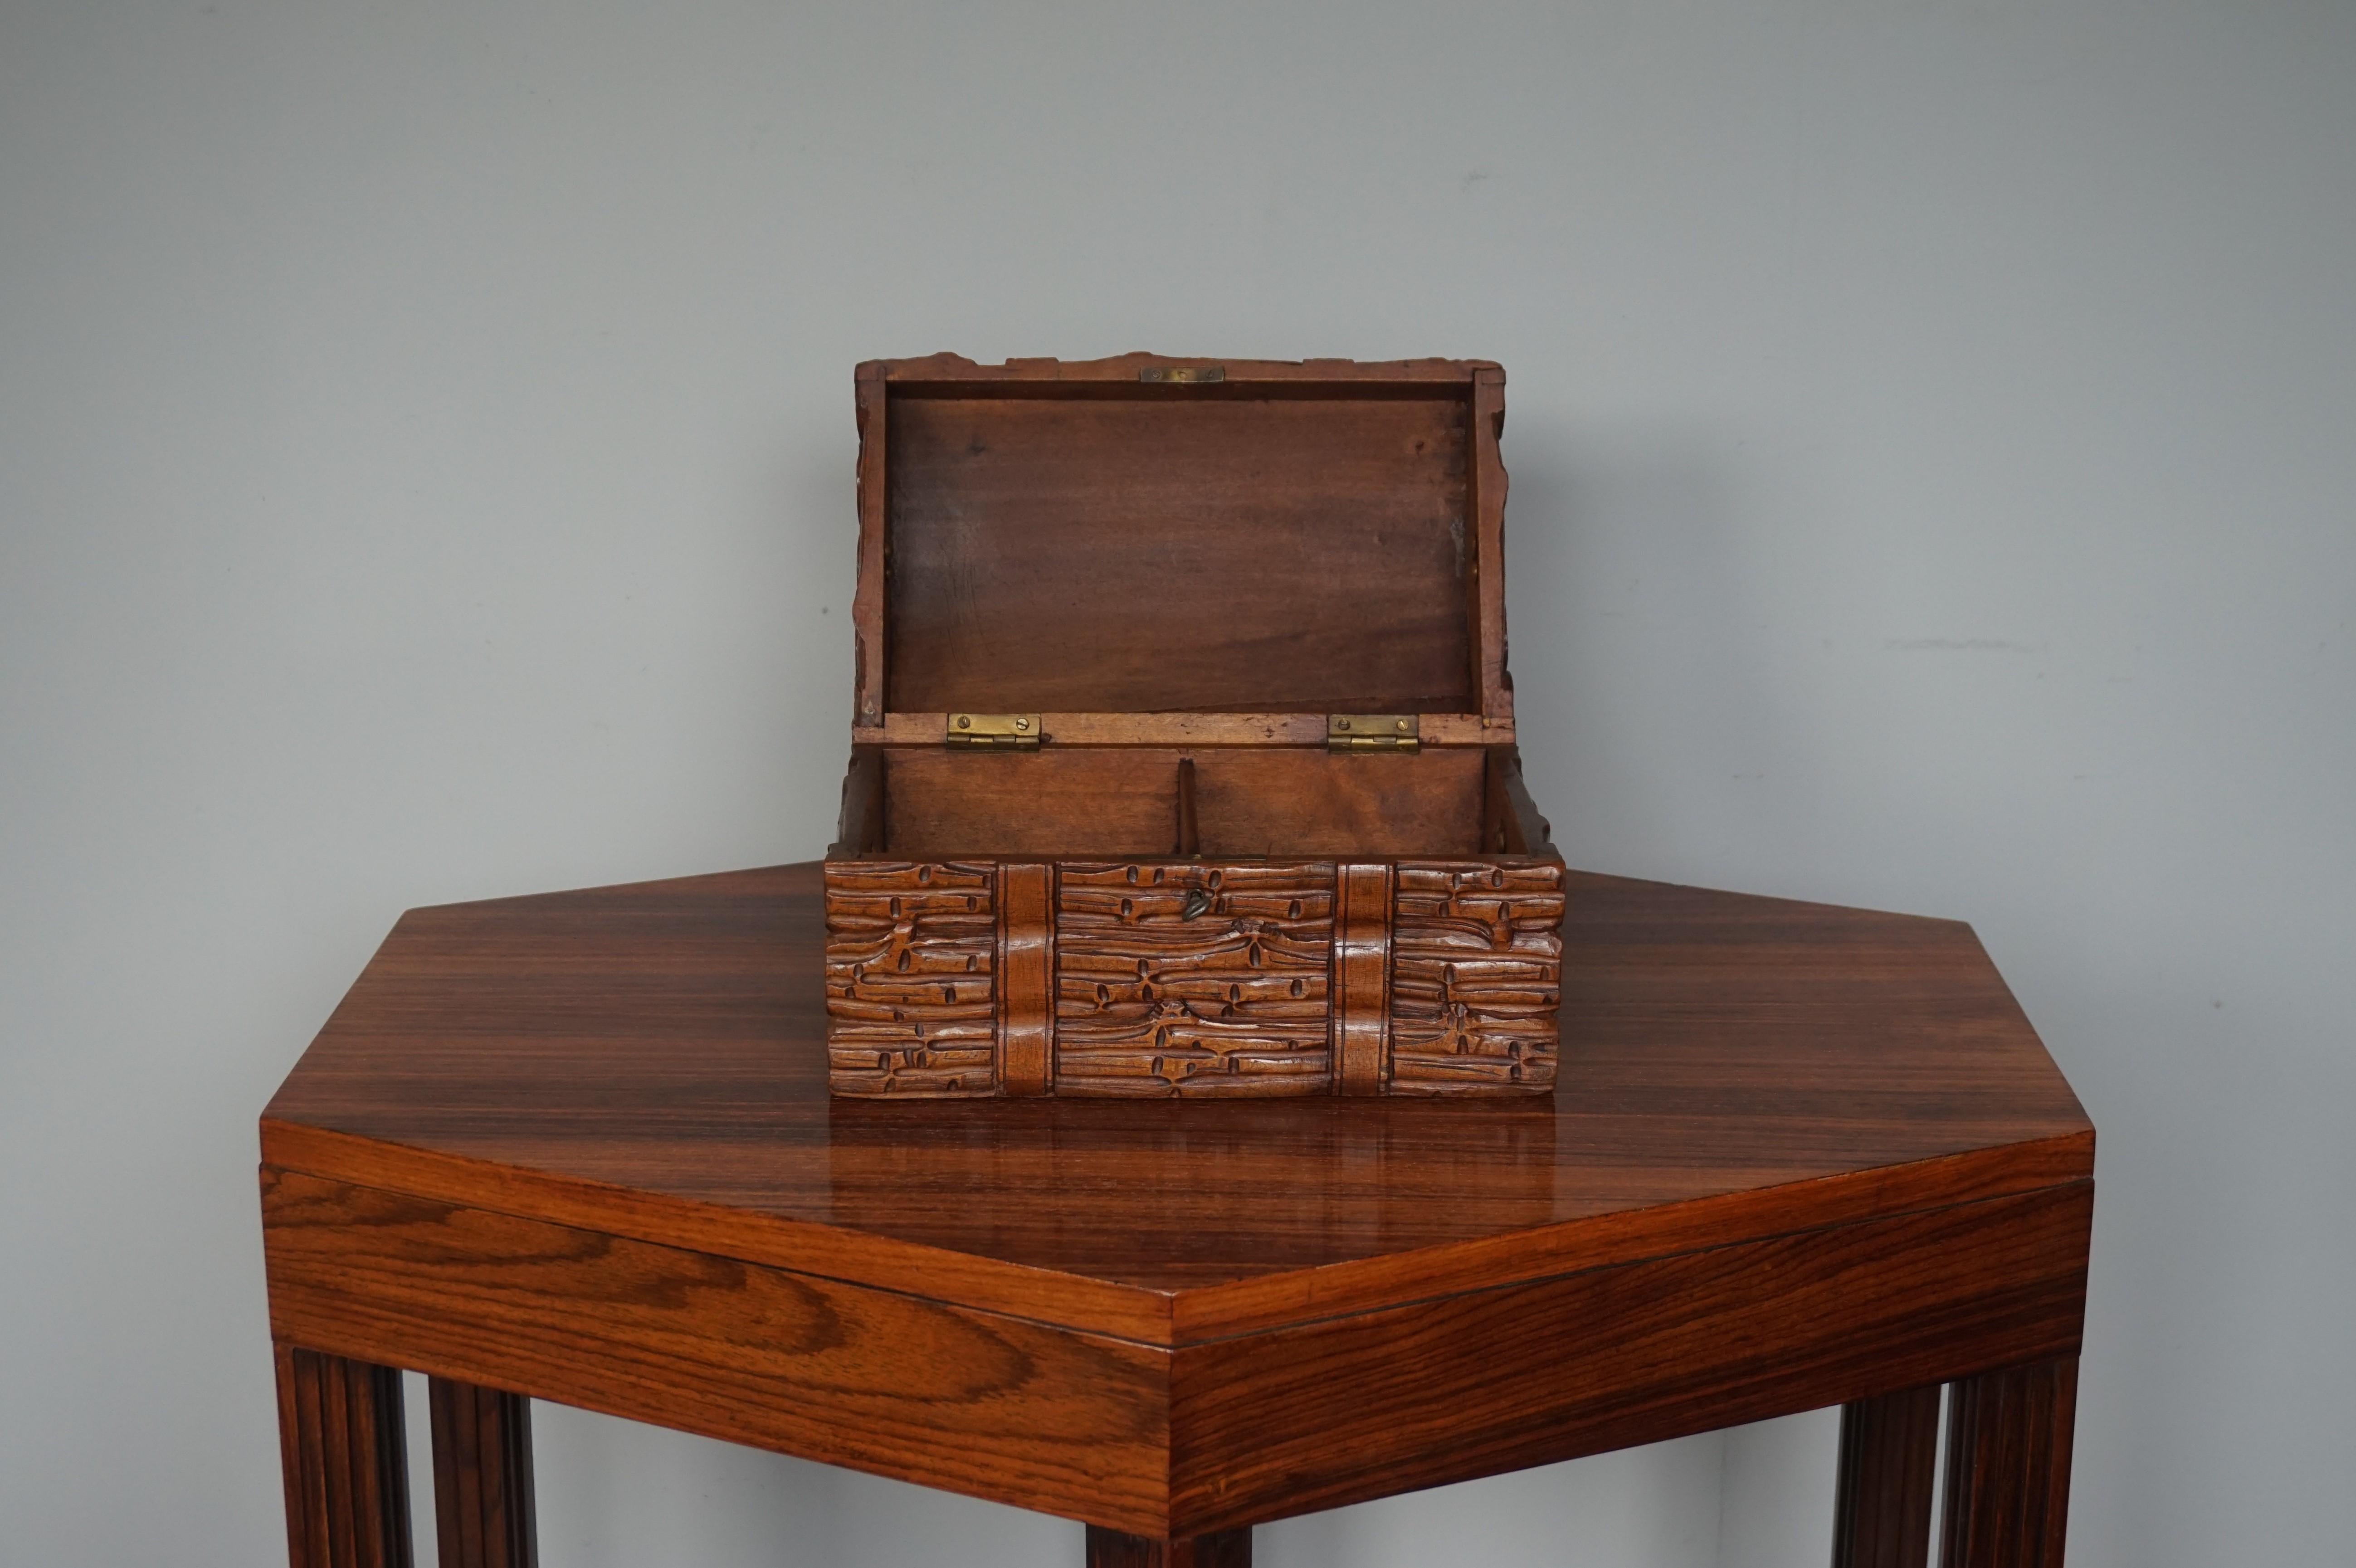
[(1192, 979), (1476, 977), (909, 960), (1186, 978)]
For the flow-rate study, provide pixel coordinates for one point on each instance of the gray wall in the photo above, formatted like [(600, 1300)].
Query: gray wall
[(426, 454)]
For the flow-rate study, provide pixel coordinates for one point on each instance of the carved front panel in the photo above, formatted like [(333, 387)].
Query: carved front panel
[(909, 1001), (1192, 978), (1476, 977)]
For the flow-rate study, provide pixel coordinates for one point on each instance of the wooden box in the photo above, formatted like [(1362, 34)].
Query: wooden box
[(1182, 755)]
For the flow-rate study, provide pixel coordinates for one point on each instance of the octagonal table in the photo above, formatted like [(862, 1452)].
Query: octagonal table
[(578, 1147)]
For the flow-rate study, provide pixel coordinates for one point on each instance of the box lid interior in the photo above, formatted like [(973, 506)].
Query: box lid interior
[(1293, 539)]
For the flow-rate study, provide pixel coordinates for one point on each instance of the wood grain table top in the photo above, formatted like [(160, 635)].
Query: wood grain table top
[(648, 1062)]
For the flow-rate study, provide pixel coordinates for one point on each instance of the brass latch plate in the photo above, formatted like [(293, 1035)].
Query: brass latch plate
[(993, 731), (1372, 732)]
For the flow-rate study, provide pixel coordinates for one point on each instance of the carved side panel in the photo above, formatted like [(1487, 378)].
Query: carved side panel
[(1476, 977), (909, 1000), (1192, 978)]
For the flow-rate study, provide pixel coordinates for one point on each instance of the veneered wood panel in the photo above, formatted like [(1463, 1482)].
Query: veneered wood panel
[(1179, 554), (650, 1059), (969, 1402), (1325, 1414)]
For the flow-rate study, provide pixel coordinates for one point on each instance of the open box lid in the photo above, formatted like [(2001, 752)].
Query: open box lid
[(1152, 552)]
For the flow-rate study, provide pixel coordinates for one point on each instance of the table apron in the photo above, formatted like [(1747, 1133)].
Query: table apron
[(1300, 1419), (971, 1401), (1212, 1436)]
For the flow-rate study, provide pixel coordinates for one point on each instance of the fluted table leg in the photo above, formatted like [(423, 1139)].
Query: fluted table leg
[(2008, 1435), (347, 1467), (1225, 1549), (483, 1509), (1889, 1452)]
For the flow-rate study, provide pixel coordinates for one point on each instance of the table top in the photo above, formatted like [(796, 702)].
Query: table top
[(648, 1062)]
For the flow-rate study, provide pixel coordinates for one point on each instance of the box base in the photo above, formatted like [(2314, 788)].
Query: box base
[(1178, 977)]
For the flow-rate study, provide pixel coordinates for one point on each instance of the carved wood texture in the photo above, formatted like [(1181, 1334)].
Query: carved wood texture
[(1192, 979), (1476, 977), (1188, 978), (910, 950)]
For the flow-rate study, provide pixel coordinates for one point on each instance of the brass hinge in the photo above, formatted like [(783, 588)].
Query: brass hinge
[(993, 731), (1183, 375), (1372, 732)]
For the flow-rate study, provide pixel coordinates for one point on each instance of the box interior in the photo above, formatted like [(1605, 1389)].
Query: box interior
[(1147, 549), (920, 803)]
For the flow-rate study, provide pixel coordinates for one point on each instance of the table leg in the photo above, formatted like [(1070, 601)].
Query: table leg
[(347, 1466), (483, 1509), (1223, 1549), (1889, 1452), (2008, 1467)]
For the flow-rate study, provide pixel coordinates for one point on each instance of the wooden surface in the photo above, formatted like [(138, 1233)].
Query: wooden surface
[(891, 1383), (911, 968), (1882, 1510), (1189, 730), (1475, 976), (1352, 1408), (1179, 549), (1484, 578), (1362, 968), (1111, 1549), (2009, 1440), (1229, 1001), (1087, 801), (649, 1057), (578, 1146), (484, 1509), (1194, 978), (1027, 969), (1145, 558), (341, 1450)]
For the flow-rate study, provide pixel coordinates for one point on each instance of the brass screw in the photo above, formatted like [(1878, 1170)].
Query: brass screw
[(1023, 723), (1345, 724), (1402, 725), (964, 722)]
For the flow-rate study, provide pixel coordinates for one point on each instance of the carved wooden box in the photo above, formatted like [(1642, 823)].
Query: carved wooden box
[(1182, 755)]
